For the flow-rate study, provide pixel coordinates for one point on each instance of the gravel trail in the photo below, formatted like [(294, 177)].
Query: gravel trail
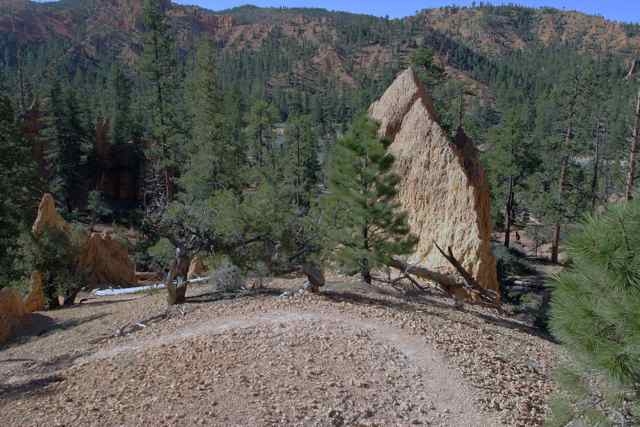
[(309, 361)]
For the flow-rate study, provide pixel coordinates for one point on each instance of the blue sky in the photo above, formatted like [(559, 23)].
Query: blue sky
[(620, 10)]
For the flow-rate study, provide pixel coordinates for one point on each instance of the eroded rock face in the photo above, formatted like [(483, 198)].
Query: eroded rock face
[(36, 300), (443, 186), (48, 217), (106, 261), (197, 268), (12, 312)]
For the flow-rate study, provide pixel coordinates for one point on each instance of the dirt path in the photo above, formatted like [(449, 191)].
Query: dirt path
[(443, 389), (338, 359)]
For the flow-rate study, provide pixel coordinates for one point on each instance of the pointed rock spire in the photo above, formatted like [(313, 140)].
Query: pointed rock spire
[(443, 186)]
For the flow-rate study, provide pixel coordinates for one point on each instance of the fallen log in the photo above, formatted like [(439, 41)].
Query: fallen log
[(459, 288), (487, 295)]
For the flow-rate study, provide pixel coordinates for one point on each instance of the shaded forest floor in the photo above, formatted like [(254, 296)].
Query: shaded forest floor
[(353, 355)]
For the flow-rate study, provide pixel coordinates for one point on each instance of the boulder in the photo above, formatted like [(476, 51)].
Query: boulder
[(197, 268), (106, 261), (12, 313), (36, 300), (443, 187)]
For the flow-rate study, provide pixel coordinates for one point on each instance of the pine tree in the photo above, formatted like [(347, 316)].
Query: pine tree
[(212, 152), (18, 186), (302, 160), (122, 122), (159, 66), (260, 133), (594, 311), (511, 161), (67, 146), (365, 223)]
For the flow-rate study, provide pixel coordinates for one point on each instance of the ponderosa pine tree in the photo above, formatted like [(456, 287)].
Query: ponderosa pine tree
[(212, 155), (18, 186), (510, 162), (159, 66), (302, 161), (67, 141), (594, 314), (365, 224), (260, 133), (121, 115)]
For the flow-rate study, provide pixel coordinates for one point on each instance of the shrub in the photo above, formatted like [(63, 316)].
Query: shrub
[(594, 312), (161, 254), (55, 254)]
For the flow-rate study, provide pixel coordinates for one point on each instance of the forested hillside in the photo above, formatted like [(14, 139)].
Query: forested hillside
[(247, 143), (543, 92)]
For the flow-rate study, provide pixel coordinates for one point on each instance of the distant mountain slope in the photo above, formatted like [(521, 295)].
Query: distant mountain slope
[(498, 30), (337, 44)]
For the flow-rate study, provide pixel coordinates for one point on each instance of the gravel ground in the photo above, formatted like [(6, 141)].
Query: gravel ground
[(350, 356)]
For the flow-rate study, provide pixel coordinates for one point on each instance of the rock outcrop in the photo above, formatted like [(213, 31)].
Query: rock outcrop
[(12, 312), (106, 261), (48, 217), (36, 300), (197, 268), (443, 186)]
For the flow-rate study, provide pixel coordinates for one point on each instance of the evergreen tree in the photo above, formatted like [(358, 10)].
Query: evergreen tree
[(594, 314), (122, 120), (366, 226), (260, 133), (18, 186), (159, 67), (511, 160), (212, 152), (67, 147), (302, 160)]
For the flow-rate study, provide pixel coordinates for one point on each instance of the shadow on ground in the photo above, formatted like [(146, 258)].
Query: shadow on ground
[(425, 305)]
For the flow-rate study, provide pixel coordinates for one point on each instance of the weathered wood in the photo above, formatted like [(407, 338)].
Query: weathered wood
[(177, 293), (468, 278), (314, 274), (450, 284)]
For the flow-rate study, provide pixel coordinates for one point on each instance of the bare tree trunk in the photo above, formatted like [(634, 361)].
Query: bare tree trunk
[(508, 214), (596, 166), (23, 96), (555, 248), (177, 292), (633, 153)]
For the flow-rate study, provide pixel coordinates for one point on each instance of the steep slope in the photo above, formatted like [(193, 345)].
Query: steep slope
[(345, 47), (498, 30)]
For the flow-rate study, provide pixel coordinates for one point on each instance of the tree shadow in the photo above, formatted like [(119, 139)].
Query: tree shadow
[(39, 325), (37, 386), (216, 296), (423, 303), (95, 302)]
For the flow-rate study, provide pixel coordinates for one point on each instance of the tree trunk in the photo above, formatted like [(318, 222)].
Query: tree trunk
[(508, 214), (596, 171), (633, 153), (176, 292), (555, 248), (314, 274)]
